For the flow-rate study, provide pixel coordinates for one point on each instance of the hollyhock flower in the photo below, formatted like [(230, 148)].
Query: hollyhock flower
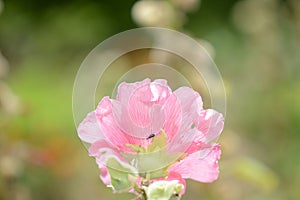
[(150, 137)]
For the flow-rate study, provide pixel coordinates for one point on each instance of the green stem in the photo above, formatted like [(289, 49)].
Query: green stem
[(176, 197)]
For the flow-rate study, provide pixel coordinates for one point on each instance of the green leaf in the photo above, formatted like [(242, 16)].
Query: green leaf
[(122, 175)]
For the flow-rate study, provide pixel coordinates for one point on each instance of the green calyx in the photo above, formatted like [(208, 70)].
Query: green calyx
[(164, 190), (122, 176), (151, 161), (158, 142)]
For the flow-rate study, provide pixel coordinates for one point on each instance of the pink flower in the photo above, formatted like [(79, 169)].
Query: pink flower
[(150, 128)]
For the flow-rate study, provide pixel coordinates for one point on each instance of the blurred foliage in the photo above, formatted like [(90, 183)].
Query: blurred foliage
[(256, 46)]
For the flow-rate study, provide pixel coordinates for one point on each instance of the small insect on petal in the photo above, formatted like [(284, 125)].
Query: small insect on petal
[(151, 136)]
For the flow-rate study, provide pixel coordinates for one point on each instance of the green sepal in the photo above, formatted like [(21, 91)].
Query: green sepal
[(152, 161), (159, 142), (122, 176), (136, 148)]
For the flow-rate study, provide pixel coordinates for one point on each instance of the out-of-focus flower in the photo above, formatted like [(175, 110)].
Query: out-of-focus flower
[(150, 134), (254, 16), (156, 13), (187, 5), (10, 166), (9, 102)]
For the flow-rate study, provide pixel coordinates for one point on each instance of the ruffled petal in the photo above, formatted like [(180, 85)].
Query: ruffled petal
[(108, 125), (138, 134), (103, 150), (203, 170), (210, 125), (125, 90), (194, 147), (190, 104), (142, 100), (89, 130), (104, 176), (138, 110)]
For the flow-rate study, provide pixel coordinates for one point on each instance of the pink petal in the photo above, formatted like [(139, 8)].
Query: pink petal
[(143, 98), (104, 176), (203, 170), (126, 89), (102, 150), (89, 130), (190, 104), (138, 109), (210, 125), (187, 97), (175, 176), (108, 125), (173, 115), (138, 134), (194, 147)]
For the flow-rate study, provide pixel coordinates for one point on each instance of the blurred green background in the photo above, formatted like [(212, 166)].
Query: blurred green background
[(255, 44)]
